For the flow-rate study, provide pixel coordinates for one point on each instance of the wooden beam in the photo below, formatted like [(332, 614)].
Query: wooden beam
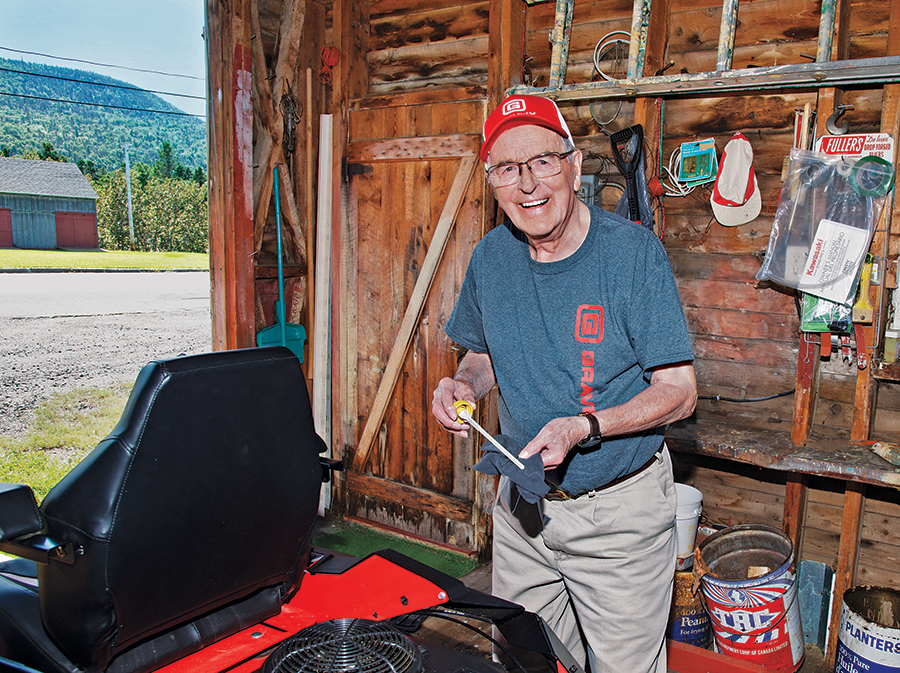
[(807, 388), (230, 173), (350, 81), (848, 555), (414, 308), (505, 48), (444, 506), (866, 385), (408, 149), (795, 496)]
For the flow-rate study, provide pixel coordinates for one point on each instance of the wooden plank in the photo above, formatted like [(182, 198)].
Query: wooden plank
[(424, 97), (833, 458), (505, 56), (845, 571), (231, 160), (795, 502), (807, 387), (444, 506), (726, 322), (408, 149), (426, 276)]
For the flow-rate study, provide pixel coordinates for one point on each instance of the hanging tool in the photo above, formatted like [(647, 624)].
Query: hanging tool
[(290, 335), (831, 124), (464, 411), (862, 309), (627, 159)]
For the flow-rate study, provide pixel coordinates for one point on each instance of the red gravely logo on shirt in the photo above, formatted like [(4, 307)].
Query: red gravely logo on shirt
[(588, 329), (589, 324)]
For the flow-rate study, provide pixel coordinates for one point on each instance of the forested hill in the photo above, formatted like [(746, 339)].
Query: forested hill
[(90, 132)]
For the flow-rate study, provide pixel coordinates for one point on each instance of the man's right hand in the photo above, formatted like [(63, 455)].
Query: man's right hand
[(447, 392)]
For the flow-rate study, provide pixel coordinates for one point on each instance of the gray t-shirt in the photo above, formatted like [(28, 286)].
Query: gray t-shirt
[(578, 334)]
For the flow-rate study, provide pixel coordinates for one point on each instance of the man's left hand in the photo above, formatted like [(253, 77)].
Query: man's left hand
[(555, 440)]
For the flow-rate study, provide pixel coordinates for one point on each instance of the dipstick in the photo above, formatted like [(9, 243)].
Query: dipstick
[(464, 411)]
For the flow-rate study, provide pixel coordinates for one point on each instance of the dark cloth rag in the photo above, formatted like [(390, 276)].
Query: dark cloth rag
[(530, 481)]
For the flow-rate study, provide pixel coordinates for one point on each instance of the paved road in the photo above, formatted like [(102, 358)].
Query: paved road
[(60, 331)]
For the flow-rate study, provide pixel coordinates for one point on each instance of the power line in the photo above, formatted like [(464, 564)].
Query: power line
[(116, 107), (103, 65), (113, 86)]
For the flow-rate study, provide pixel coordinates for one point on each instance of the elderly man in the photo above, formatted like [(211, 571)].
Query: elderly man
[(573, 313)]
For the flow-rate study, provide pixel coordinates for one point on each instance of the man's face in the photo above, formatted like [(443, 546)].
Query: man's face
[(540, 208)]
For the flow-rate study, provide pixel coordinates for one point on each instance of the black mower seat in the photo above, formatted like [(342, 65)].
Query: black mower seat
[(189, 522)]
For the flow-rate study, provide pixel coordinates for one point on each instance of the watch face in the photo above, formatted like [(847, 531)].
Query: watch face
[(591, 440)]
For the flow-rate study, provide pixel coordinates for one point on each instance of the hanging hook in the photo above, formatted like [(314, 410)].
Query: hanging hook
[(831, 123)]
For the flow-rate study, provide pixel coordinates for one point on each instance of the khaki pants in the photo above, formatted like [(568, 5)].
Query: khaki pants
[(599, 569)]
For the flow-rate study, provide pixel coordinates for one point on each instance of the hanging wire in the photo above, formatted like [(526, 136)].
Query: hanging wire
[(291, 110), (330, 58), (719, 398)]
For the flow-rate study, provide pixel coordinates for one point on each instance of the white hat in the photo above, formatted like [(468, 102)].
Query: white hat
[(735, 198)]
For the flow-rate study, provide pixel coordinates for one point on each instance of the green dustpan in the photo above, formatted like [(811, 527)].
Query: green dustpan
[(282, 333)]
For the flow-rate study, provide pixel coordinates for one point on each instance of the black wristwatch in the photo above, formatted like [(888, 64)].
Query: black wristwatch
[(595, 436)]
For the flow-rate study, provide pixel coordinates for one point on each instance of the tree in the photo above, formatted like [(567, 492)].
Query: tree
[(169, 214), (166, 163), (47, 153), (6, 152), (199, 175), (89, 169)]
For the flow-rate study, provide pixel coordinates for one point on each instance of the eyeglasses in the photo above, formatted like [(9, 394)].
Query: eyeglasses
[(542, 166)]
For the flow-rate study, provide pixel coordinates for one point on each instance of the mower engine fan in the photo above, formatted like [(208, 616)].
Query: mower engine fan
[(347, 646)]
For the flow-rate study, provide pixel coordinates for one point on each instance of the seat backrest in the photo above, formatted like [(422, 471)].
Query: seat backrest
[(205, 492)]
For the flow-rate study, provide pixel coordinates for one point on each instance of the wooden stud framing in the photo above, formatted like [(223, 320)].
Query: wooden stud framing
[(230, 165), (848, 554)]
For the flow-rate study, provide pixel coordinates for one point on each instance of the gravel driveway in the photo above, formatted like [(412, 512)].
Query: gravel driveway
[(60, 331)]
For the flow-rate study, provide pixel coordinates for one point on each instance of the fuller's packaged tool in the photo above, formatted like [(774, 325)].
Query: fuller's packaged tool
[(826, 216)]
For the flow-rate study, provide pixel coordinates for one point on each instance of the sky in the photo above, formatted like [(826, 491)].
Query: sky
[(160, 35)]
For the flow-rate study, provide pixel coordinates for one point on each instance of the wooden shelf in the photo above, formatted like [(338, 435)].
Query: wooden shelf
[(838, 459)]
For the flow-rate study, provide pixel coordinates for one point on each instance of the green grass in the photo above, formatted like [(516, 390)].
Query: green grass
[(15, 258), (357, 540), (66, 428)]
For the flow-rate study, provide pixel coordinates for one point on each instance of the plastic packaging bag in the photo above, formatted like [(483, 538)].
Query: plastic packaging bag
[(826, 216), (822, 315)]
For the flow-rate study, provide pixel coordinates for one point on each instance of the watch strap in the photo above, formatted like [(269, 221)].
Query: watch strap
[(595, 426)]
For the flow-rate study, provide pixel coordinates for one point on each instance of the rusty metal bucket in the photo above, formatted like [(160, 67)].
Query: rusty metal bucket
[(750, 591)]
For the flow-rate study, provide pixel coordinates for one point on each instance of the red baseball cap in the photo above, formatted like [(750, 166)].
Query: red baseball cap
[(520, 110)]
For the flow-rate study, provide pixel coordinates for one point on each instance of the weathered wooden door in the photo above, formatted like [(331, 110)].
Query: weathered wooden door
[(414, 199)]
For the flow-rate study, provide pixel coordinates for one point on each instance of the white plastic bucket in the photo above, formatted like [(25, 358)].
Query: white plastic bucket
[(687, 514)]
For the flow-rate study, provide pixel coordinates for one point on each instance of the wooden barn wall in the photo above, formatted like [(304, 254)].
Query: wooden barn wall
[(289, 94), (745, 333), (412, 69)]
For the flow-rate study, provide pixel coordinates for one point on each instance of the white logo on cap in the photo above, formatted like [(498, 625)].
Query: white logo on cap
[(515, 105)]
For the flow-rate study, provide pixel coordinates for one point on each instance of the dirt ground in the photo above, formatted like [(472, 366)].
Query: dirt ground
[(43, 355)]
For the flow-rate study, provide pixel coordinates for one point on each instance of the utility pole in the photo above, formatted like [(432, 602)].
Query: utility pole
[(128, 191)]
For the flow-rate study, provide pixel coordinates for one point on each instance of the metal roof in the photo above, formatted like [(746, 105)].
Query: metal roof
[(43, 178)]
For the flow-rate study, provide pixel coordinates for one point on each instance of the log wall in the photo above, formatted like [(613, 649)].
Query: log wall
[(404, 60)]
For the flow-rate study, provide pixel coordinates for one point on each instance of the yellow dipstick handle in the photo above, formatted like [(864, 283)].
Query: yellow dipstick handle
[(464, 411), (862, 309)]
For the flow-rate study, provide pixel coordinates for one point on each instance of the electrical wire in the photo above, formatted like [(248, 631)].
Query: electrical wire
[(440, 614), (104, 105), (719, 398), (111, 86), (104, 65), (670, 182)]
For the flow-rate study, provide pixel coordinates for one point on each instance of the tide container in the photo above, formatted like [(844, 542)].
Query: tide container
[(751, 596), (869, 634)]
